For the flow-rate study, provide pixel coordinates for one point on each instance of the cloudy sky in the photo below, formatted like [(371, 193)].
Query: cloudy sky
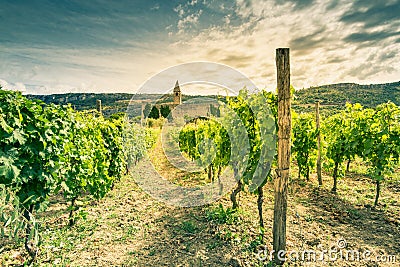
[(49, 46)]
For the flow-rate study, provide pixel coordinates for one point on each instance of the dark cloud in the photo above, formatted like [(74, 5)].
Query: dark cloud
[(387, 55), (94, 23), (308, 42), (372, 57), (264, 71), (334, 60), (370, 37), (366, 70), (298, 72), (236, 59), (372, 13), (269, 73), (298, 4), (239, 61), (332, 5)]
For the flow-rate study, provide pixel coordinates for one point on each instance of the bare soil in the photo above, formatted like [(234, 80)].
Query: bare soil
[(129, 228)]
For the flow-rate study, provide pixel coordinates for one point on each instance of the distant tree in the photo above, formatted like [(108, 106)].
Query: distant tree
[(165, 111), (154, 113), (146, 110), (214, 110)]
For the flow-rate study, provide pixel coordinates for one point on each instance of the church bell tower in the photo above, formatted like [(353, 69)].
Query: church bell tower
[(177, 94)]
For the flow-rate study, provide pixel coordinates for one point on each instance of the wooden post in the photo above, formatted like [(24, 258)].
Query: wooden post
[(284, 131), (142, 115), (98, 106), (317, 123)]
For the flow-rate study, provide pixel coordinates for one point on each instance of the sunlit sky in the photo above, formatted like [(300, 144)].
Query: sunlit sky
[(62, 46)]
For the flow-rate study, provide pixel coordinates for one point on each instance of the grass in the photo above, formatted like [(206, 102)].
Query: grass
[(189, 227), (223, 215)]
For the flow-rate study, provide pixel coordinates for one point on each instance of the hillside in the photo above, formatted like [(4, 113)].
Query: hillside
[(111, 102), (338, 94), (332, 97)]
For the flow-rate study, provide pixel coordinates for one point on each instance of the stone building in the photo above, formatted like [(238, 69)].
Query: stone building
[(177, 94)]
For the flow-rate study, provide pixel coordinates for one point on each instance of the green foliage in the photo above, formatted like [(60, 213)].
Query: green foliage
[(46, 148), (189, 227), (155, 123), (260, 123), (151, 136), (94, 156), (136, 141), (335, 137), (243, 138), (221, 215), (32, 135), (117, 116), (13, 223), (382, 140), (304, 143), (154, 113), (207, 142), (344, 136), (165, 111), (214, 111), (215, 145), (146, 110), (372, 134), (112, 132), (246, 122), (188, 141)]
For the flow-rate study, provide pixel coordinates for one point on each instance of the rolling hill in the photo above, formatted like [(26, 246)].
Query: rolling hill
[(332, 97)]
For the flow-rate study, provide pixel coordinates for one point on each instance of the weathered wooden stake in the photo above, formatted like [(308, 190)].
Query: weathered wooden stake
[(284, 130), (317, 123), (98, 106), (142, 115)]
